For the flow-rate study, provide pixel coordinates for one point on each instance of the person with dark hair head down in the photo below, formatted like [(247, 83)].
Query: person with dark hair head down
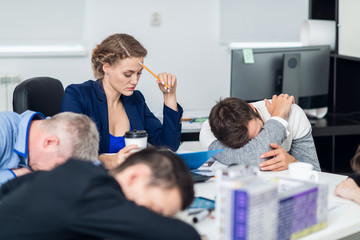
[(79, 200), (229, 120), (114, 104), (267, 134)]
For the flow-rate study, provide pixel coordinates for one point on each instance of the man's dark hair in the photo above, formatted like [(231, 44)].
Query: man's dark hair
[(229, 120), (168, 171)]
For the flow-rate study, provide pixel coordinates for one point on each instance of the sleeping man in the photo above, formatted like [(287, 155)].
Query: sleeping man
[(266, 134), (81, 200)]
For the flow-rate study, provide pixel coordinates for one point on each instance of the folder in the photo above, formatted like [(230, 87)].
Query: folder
[(196, 159)]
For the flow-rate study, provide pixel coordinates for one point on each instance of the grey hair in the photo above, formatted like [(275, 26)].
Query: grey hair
[(77, 133)]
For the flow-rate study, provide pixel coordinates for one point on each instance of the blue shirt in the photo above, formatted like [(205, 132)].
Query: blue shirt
[(14, 132), (116, 143)]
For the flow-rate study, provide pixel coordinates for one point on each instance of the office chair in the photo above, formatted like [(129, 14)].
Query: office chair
[(41, 94)]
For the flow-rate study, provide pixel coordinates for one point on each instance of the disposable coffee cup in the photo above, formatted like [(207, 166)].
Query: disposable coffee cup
[(137, 137), (303, 171)]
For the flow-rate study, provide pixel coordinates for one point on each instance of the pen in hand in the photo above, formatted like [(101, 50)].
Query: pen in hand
[(163, 83)]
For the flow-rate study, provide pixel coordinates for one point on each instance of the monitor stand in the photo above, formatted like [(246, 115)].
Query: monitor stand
[(291, 75)]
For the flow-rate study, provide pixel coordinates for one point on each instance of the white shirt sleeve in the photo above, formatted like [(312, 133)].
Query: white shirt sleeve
[(298, 122), (206, 136), (283, 122)]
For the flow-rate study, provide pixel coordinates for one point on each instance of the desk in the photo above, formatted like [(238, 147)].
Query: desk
[(343, 215), (190, 130), (336, 125), (336, 139), (190, 134)]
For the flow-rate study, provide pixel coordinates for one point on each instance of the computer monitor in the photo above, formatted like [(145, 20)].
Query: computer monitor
[(299, 71)]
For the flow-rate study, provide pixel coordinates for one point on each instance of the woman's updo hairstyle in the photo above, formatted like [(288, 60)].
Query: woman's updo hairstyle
[(114, 48)]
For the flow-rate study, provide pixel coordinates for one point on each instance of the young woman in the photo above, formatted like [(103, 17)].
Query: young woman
[(114, 104)]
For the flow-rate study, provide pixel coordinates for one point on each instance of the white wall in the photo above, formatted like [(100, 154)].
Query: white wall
[(262, 20), (186, 44)]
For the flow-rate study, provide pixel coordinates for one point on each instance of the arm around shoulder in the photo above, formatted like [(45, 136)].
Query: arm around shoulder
[(303, 149), (272, 132)]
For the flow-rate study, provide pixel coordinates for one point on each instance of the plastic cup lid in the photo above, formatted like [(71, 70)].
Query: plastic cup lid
[(136, 134)]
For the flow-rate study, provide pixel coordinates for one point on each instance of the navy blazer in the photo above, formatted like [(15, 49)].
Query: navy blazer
[(89, 98)]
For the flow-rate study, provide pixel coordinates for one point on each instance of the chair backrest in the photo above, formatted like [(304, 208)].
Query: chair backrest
[(41, 94)]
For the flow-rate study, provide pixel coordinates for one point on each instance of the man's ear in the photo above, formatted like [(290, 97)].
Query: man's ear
[(253, 108), (51, 141), (138, 173)]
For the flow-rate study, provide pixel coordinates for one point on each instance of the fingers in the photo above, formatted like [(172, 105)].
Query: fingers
[(268, 154), (288, 97), (168, 82), (268, 163), (339, 188), (125, 153), (171, 81), (282, 95), (163, 80), (267, 104), (279, 160), (344, 190), (274, 164), (275, 145), (128, 148), (272, 153), (277, 150), (293, 99)]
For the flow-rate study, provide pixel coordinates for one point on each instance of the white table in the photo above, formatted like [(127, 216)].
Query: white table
[(343, 215)]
